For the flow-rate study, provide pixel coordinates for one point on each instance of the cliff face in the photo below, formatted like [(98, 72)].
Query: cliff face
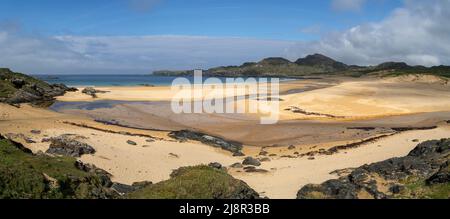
[(423, 173), (16, 88)]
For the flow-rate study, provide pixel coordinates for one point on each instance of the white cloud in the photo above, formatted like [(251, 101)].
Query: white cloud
[(348, 5), (418, 33), (130, 54)]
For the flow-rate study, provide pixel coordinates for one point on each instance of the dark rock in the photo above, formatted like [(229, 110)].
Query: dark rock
[(251, 161), (442, 176), (103, 175), (428, 162), (36, 132), (92, 91), (29, 141), (185, 135), (215, 165), (396, 189), (66, 145), (130, 142), (238, 154), (334, 189), (291, 147), (141, 185), (18, 83)]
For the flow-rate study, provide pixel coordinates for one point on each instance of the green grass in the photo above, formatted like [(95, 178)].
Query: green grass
[(199, 182), (22, 176), (416, 188), (6, 87)]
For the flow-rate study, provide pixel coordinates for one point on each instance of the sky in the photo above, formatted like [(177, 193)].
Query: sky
[(139, 36)]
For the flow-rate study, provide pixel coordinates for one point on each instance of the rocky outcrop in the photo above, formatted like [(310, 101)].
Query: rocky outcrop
[(185, 135), (68, 145), (92, 92), (18, 88), (412, 176)]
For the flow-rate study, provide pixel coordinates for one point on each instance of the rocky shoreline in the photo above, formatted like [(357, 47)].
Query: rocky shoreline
[(423, 173), (17, 88)]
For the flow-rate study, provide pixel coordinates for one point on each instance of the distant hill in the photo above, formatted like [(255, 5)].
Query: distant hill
[(312, 65)]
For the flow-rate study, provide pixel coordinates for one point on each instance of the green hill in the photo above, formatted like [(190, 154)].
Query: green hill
[(312, 65)]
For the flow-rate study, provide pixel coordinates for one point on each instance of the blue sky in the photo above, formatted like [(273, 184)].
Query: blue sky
[(263, 19), (139, 36)]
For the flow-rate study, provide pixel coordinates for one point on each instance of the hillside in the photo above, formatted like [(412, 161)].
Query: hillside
[(16, 88), (312, 65)]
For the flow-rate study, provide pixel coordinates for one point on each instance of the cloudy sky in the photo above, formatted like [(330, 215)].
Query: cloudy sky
[(139, 36)]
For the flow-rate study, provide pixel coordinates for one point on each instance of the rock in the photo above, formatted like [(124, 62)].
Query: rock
[(130, 142), (185, 135), (415, 140), (18, 83), (36, 132), (66, 145), (396, 189), (29, 141), (215, 165), (103, 175), (237, 165), (427, 163), (251, 161), (141, 185), (238, 154), (311, 158), (291, 147), (25, 89), (441, 177), (92, 91)]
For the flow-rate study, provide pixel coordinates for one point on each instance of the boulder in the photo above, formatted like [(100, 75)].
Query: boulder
[(67, 145), (251, 161), (130, 142), (215, 165)]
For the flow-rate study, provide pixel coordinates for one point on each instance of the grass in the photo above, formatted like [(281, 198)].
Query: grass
[(416, 188), (22, 176), (6, 87), (199, 182)]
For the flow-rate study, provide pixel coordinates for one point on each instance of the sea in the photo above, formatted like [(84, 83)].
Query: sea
[(117, 80)]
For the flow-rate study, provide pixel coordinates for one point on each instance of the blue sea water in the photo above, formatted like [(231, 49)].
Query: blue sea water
[(113, 80)]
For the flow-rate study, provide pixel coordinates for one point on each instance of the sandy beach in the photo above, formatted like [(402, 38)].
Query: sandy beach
[(338, 106)]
